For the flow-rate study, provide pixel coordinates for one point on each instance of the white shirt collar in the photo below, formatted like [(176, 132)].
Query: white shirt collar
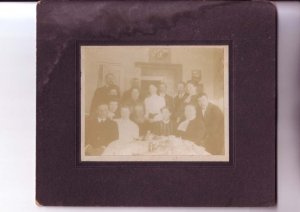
[(101, 120)]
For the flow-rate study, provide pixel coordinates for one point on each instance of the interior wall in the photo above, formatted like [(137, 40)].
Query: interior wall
[(208, 59)]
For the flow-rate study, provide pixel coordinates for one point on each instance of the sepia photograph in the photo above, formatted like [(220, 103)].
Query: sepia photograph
[(154, 103)]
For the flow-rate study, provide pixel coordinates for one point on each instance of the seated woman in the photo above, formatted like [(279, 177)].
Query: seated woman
[(153, 104), (192, 128), (128, 130), (166, 126)]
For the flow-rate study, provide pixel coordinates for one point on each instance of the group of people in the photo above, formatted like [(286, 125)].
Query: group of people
[(189, 115)]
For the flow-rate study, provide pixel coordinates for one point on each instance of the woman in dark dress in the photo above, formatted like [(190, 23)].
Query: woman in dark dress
[(192, 128), (166, 126)]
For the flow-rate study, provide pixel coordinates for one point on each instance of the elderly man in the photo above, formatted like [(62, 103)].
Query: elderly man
[(213, 119), (105, 93), (100, 131), (135, 84), (133, 100), (168, 99)]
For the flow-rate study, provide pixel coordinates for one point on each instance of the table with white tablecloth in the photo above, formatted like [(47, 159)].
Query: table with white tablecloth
[(166, 146)]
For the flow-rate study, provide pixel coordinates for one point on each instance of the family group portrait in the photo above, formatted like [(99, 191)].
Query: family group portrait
[(154, 103)]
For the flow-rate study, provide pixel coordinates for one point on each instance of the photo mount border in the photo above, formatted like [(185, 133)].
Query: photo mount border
[(142, 164)]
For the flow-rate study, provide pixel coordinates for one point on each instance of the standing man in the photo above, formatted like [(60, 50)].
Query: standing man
[(178, 101), (133, 100), (134, 84), (196, 80), (168, 99), (103, 94), (100, 131), (213, 119)]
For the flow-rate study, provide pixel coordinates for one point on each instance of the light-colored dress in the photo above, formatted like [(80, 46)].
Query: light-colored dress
[(153, 104), (128, 130)]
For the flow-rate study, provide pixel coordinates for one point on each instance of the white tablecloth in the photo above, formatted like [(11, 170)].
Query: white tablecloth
[(159, 146)]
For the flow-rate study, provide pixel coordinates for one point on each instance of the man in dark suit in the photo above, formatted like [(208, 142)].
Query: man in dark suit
[(113, 109), (105, 93), (133, 100), (100, 131), (138, 116), (168, 99), (214, 123), (191, 128), (166, 126), (135, 84), (179, 102)]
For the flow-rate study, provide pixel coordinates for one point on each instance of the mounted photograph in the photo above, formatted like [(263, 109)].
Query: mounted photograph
[(154, 103)]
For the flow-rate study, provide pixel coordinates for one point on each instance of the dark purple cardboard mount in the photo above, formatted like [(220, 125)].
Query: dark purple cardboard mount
[(248, 179)]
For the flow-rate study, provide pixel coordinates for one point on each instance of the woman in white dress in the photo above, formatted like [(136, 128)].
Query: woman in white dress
[(153, 104), (128, 130)]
